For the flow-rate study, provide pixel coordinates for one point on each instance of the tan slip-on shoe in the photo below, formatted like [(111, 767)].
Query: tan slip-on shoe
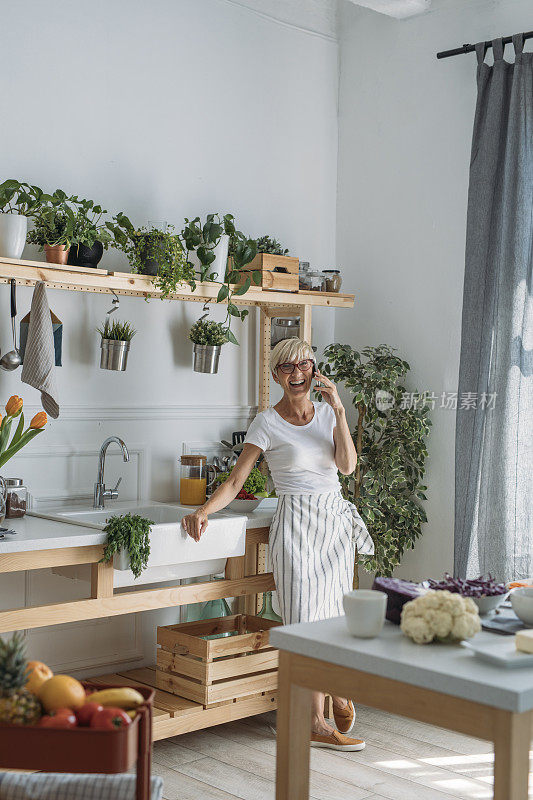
[(345, 717), (336, 741)]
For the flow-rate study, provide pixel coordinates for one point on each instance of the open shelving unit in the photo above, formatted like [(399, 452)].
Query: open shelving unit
[(245, 576)]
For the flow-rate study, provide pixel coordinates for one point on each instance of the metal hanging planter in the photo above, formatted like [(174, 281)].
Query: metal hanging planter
[(206, 357), (114, 354)]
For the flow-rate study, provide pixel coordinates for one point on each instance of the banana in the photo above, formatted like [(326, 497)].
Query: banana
[(123, 697)]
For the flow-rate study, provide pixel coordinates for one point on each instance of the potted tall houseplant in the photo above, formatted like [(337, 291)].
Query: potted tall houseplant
[(54, 227), (18, 201), (208, 338), (390, 439), (92, 235), (115, 344)]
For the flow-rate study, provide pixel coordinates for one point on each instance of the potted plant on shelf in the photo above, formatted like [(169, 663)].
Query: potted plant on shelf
[(208, 338), (53, 231), (153, 251), (91, 235), (115, 344), (18, 201), (267, 244)]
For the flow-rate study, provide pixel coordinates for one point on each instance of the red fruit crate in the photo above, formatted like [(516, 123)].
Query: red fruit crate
[(84, 749)]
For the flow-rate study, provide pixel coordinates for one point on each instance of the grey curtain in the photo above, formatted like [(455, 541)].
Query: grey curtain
[(494, 424)]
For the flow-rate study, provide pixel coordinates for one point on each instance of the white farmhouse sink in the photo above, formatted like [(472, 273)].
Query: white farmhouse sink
[(173, 554)]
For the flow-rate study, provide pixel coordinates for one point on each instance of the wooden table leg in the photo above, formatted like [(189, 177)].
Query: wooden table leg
[(293, 735), (511, 755)]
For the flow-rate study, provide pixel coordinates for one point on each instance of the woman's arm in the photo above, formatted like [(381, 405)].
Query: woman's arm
[(196, 523), (345, 452)]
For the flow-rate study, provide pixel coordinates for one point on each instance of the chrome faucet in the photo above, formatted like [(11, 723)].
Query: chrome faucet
[(100, 492)]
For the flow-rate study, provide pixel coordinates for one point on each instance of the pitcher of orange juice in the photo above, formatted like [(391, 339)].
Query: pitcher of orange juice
[(193, 480)]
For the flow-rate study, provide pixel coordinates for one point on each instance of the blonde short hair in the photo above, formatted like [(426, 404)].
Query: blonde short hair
[(289, 350)]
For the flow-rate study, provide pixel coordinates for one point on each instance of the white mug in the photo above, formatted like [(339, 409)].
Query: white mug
[(365, 612)]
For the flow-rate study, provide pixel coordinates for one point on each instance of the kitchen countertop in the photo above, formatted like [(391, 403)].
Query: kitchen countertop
[(446, 668), (36, 533)]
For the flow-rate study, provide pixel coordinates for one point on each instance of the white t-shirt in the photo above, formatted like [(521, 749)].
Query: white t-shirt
[(301, 458)]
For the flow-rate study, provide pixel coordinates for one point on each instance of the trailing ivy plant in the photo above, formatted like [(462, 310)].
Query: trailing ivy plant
[(131, 533), (202, 239), (390, 439)]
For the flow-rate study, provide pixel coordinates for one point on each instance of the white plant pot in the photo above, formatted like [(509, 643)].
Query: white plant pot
[(13, 230), (218, 267)]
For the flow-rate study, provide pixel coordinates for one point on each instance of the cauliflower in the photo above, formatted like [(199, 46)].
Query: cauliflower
[(440, 615)]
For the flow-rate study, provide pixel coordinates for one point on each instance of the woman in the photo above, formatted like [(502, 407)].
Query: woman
[(311, 543)]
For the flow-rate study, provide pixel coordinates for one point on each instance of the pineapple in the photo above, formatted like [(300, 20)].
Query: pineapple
[(17, 705)]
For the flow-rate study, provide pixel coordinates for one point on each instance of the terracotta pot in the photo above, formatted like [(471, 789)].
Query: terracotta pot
[(56, 254)]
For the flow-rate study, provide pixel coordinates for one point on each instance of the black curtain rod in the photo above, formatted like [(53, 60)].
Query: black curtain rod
[(470, 48)]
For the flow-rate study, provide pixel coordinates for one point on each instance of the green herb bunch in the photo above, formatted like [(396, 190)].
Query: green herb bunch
[(208, 332), (120, 331), (255, 483), (131, 533), (266, 244), (390, 440)]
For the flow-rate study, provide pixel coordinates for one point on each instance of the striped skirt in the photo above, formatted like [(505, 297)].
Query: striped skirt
[(311, 548)]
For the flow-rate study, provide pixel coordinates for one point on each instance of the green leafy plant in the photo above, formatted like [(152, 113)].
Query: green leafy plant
[(54, 221), (202, 239), (208, 332), (266, 244), (131, 533), (21, 198), (150, 247), (255, 483), (120, 331), (89, 225), (390, 439)]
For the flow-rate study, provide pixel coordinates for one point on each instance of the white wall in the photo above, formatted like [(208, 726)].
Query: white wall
[(404, 144), (164, 110)]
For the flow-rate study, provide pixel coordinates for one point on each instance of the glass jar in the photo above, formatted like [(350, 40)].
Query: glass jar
[(193, 480), (2, 501), (318, 281), (16, 498), (333, 280), (303, 275)]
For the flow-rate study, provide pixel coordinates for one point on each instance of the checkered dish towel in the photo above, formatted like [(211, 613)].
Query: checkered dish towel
[(56, 786), (39, 357)]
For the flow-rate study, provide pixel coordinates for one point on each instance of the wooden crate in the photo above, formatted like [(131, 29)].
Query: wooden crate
[(213, 671), (277, 272)]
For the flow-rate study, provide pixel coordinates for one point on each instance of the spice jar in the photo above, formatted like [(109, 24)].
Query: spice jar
[(193, 480), (16, 498), (317, 281), (303, 275), (333, 280)]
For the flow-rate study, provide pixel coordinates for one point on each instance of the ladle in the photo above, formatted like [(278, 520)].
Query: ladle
[(12, 360)]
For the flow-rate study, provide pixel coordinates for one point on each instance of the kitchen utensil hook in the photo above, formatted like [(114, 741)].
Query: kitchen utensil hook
[(206, 309), (116, 303)]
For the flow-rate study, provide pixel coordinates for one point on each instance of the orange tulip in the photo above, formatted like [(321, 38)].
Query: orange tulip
[(14, 406), (39, 421)]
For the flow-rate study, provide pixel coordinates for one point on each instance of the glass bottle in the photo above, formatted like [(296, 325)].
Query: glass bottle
[(211, 609), (267, 611)]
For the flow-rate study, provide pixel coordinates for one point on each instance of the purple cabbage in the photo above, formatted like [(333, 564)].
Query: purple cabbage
[(475, 587), (398, 594)]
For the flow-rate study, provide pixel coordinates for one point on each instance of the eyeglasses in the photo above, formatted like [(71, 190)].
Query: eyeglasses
[(303, 366)]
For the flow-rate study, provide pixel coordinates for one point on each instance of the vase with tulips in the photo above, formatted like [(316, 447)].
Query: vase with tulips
[(11, 444)]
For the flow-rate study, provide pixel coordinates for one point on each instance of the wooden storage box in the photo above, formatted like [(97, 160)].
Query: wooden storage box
[(213, 671), (277, 272)]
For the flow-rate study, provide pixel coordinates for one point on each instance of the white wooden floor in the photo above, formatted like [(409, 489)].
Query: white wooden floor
[(403, 760)]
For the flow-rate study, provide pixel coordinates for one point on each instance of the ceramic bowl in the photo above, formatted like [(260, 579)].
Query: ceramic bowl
[(244, 506), (489, 603), (522, 603)]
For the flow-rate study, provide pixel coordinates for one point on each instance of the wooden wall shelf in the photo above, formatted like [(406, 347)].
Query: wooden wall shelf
[(79, 279)]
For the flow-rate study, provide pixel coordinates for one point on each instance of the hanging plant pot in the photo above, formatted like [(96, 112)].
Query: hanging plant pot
[(114, 354), (206, 357), (13, 230), (82, 256), (56, 253)]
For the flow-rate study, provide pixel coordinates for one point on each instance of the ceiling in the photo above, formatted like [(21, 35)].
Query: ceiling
[(396, 8)]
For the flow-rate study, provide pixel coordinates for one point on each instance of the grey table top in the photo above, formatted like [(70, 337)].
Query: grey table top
[(446, 668)]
